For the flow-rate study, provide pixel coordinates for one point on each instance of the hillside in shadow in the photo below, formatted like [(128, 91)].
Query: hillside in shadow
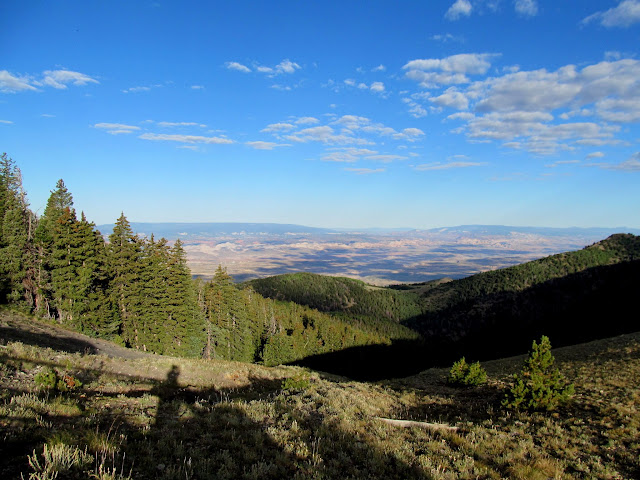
[(589, 305)]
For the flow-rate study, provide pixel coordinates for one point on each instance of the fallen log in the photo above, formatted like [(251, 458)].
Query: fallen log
[(412, 423)]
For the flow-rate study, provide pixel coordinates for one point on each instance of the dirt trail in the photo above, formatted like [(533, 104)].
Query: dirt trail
[(15, 327)]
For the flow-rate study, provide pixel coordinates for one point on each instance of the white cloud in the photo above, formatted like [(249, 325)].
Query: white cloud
[(197, 87), (409, 134), (325, 134), (350, 81), (386, 158), (432, 72), (458, 9), (526, 7), (237, 66), (47, 115), (453, 98), (446, 166), (258, 145), (185, 138), (415, 109), (379, 68), (116, 128), (531, 109), (447, 37), (563, 162), (278, 127), (632, 164), (11, 83), (263, 69), (377, 87), (347, 155), (307, 120), (60, 78), (625, 14), (364, 171), (136, 89), (284, 88), (287, 66), (7, 122), (181, 124), (461, 116), (595, 155)]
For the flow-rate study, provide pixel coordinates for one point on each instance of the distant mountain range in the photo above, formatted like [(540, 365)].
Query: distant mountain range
[(172, 231)]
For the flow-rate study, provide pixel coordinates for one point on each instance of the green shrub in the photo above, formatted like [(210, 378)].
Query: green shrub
[(539, 386), (467, 375), (49, 380), (294, 384), (46, 380)]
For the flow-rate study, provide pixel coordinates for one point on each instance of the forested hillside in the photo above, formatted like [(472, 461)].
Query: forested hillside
[(574, 296), (615, 249), (340, 295), (139, 292)]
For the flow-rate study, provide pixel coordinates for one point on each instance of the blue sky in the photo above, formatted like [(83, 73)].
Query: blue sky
[(337, 114)]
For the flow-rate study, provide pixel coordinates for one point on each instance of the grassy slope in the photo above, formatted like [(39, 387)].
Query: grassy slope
[(165, 418)]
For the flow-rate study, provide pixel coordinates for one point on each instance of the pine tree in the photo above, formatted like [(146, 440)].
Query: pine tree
[(124, 255), (15, 235), (184, 318), (539, 386), (58, 203)]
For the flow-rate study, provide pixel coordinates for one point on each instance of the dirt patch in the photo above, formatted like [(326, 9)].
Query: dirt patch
[(15, 327)]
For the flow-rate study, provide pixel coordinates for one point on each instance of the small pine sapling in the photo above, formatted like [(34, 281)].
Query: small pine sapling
[(539, 386), (467, 375)]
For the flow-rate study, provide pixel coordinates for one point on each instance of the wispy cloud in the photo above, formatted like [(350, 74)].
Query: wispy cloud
[(142, 88), (347, 155), (385, 158), (632, 164), (433, 72), (7, 122), (527, 8), (116, 128), (185, 138), (181, 124), (625, 14), (379, 68), (259, 145), (307, 121), (60, 78), (14, 83), (460, 8), (595, 155), (364, 171), (238, 67), (278, 127), (563, 162), (446, 166)]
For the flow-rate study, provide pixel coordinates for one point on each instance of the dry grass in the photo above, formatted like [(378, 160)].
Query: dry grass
[(170, 418)]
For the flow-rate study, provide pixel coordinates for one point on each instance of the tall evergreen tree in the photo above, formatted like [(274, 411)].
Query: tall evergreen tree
[(124, 257), (16, 221), (59, 202)]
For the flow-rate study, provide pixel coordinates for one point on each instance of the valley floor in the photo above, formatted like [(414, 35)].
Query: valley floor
[(165, 418)]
